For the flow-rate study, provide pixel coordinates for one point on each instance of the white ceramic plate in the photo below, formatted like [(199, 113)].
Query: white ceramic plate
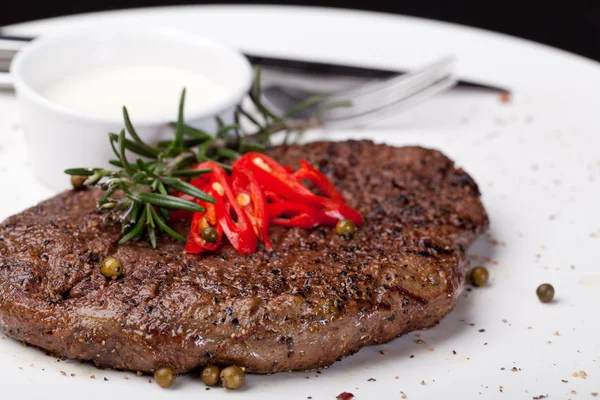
[(536, 159)]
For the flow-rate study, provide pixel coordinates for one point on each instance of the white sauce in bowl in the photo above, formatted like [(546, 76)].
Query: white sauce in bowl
[(146, 91)]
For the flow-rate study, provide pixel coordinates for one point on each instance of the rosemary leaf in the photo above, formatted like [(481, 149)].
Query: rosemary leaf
[(130, 215), (240, 110), (129, 125), (307, 103), (226, 167), (266, 112), (228, 153), (256, 89), (106, 195), (191, 172), (192, 132), (122, 157), (185, 161), (148, 149), (149, 219), (187, 143), (116, 163), (151, 236), (140, 177), (224, 129), (177, 142), (161, 187), (236, 131), (150, 226), (142, 150), (256, 95), (330, 106), (247, 147), (79, 171), (136, 229), (108, 206), (143, 167), (165, 228), (112, 141), (201, 155), (94, 178), (171, 202), (188, 189), (164, 213)]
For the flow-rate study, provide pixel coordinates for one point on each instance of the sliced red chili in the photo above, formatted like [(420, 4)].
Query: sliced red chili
[(342, 211), (310, 173), (275, 178), (290, 214), (272, 197), (251, 198), (260, 191), (232, 218), (202, 220)]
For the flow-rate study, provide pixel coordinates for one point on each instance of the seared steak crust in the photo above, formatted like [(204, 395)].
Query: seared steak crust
[(316, 298)]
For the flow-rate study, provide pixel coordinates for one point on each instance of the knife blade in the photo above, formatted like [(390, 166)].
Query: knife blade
[(287, 66), (302, 67)]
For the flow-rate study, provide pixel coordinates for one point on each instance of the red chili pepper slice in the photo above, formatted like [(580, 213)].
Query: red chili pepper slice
[(286, 213), (231, 217), (260, 191), (271, 197), (250, 196), (275, 178), (342, 211), (309, 172), (202, 220)]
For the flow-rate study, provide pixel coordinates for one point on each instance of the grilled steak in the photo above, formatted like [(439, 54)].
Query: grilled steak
[(316, 298)]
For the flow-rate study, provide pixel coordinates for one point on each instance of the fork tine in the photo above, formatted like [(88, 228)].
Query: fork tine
[(382, 94), (437, 68), (353, 119), (387, 95)]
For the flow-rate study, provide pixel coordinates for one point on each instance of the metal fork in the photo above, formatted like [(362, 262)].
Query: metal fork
[(368, 102)]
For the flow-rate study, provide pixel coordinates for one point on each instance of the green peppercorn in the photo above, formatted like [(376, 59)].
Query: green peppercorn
[(545, 293), (345, 227), (112, 268), (165, 377), (480, 276), (77, 181), (233, 377), (210, 375), (210, 234)]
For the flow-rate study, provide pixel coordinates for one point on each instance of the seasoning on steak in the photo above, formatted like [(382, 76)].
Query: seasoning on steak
[(316, 298)]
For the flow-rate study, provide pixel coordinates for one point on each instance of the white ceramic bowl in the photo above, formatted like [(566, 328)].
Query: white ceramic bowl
[(59, 137)]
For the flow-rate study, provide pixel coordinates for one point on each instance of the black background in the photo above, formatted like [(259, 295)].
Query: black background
[(569, 25)]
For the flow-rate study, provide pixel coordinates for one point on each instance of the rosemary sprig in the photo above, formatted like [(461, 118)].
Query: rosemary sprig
[(139, 193)]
